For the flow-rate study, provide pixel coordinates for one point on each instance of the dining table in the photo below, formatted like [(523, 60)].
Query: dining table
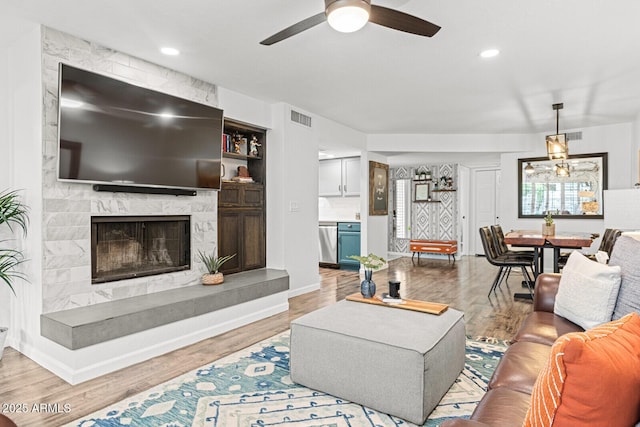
[(539, 242)]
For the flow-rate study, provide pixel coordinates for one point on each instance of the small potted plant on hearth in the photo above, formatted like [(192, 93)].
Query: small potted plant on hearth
[(549, 228), (213, 263)]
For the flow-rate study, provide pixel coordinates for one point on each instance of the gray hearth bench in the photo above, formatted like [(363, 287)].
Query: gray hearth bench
[(84, 326)]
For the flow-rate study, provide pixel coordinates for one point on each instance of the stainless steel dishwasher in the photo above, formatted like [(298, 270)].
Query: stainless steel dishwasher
[(328, 243)]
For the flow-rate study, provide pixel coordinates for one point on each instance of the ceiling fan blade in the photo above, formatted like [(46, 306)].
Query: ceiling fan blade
[(295, 29), (402, 21)]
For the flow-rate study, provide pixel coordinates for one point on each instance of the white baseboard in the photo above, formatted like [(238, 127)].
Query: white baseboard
[(76, 366), (304, 290)]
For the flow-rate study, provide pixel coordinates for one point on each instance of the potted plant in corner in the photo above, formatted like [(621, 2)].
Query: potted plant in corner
[(213, 263), (549, 228), (12, 212)]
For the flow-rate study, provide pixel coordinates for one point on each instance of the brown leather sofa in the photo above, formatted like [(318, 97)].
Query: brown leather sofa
[(6, 422), (509, 392)]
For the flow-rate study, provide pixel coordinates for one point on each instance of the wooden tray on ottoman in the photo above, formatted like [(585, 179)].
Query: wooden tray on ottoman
[(406, 304)]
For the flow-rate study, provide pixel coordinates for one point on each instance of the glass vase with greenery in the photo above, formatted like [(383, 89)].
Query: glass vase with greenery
[(369, 263)]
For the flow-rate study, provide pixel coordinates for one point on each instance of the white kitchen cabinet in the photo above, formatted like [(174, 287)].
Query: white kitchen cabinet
[(351, 176), (339, 177), (330, 178)]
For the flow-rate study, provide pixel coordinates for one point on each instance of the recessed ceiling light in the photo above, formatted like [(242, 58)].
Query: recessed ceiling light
[(170, 51), (489, 53)]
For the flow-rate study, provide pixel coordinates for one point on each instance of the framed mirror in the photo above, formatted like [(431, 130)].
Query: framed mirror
[(572, 188), (422, 192)]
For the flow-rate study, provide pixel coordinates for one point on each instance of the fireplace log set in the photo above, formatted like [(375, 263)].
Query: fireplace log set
[(127, 247)]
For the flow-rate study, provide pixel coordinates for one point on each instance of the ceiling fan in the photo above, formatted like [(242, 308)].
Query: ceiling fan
[(351, 15)]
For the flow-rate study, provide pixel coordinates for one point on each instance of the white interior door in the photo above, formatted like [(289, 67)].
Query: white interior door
[(484, 201)]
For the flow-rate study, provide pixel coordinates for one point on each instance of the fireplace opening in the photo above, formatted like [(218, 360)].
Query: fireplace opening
[(135, 246)]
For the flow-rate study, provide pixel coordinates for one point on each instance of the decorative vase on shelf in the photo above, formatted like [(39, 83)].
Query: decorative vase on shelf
[(368, 286)]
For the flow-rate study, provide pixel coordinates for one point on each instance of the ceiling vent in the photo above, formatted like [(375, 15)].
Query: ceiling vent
[(574, 136), (300, 118)]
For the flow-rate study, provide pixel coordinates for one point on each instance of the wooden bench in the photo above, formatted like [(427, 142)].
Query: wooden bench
[(445, 247)]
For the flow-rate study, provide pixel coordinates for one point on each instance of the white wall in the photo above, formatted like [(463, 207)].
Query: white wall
[(635, 155), (244, 108), (6, 168), (299, 203), (450, 143), (23, 99), (375, 239)]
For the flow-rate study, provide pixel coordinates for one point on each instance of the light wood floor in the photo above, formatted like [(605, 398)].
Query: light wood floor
[(463, 285)]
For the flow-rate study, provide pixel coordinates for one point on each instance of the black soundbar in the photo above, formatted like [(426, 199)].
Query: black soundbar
[(146, 190)]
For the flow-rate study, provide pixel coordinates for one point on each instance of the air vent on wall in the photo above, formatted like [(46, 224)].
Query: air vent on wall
[(574, 136), (300, 118)]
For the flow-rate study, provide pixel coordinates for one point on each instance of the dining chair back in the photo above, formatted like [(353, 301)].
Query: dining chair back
[(489, 245), (503, 249), (498, 237), (504, 261), (609, 238)]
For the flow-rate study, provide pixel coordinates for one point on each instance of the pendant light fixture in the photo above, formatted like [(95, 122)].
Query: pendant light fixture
[(529, 169), (557, 145), (562, 169)]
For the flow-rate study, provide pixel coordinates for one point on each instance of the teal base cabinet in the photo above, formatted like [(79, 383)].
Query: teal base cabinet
[(348, 244)]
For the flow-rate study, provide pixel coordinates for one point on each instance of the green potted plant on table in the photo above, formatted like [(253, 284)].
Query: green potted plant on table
[(549, 228), (213, 263), (370, 263), (12, 212)]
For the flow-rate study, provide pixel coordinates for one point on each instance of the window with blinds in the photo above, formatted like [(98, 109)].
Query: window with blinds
[(403, 208)]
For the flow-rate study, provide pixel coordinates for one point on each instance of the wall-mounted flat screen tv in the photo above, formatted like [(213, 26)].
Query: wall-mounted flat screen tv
[(114, 132)]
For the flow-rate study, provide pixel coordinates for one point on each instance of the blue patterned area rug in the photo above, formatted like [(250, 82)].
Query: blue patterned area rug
[(252, 388)]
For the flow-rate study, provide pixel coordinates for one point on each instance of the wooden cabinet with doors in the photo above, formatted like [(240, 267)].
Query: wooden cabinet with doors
[(242, 231), (241, 205)]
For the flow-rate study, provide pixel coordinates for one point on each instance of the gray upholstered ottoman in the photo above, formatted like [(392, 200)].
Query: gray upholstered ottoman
[(395, 361)]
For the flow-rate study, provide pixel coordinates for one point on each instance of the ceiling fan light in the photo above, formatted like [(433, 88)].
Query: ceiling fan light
[(348, 16)]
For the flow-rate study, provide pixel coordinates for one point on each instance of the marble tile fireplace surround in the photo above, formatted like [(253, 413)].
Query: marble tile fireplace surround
[(69, 207)]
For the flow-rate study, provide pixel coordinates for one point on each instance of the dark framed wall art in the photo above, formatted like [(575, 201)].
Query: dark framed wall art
[(378, 188)]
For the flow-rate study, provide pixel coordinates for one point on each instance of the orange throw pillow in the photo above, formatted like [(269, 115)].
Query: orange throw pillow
[(592, 378)]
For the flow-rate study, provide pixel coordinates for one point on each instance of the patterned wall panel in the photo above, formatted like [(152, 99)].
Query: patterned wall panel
[(428, 220)]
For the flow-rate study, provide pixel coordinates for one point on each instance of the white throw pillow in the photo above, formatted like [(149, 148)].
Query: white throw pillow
[(587, 292)]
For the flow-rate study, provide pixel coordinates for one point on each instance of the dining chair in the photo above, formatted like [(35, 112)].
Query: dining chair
[(606, 245), (504, 262), (503, 249)]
